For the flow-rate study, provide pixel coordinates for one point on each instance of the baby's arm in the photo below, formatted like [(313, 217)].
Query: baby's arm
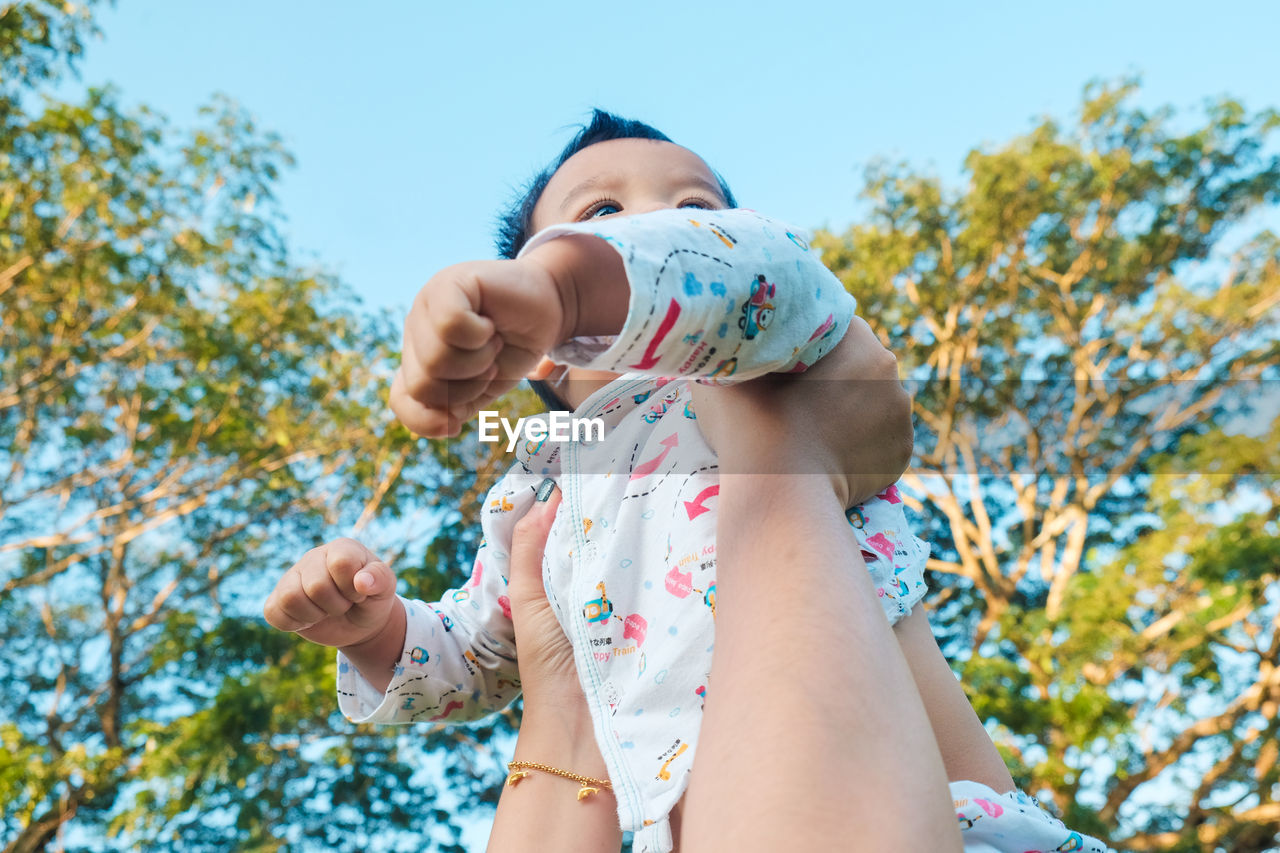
[(723, 293), (404, 661)]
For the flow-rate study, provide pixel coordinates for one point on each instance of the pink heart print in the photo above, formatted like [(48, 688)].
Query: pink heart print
[(634, 627), (679, 583), (992, 809), (881, 543)]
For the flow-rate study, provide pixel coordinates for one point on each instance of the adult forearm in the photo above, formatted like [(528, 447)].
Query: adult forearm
[(542, 812), (812, 721)]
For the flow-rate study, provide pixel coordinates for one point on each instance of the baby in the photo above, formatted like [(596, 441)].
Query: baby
[(640, 270)]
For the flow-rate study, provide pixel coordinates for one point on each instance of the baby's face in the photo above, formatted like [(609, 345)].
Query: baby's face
[(622, 177)]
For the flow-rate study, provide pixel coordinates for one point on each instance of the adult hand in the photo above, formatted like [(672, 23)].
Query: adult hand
[(794, 451), (847, 417), (543, 813), (548, 675)]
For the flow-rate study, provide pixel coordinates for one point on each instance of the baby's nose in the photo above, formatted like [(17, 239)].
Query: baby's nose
[(654, 204)]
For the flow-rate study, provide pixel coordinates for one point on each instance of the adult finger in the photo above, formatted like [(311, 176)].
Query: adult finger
[(529, 543), (859, 355)]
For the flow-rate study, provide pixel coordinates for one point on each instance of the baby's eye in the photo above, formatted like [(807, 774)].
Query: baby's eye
[(606, 208), (696, 204)]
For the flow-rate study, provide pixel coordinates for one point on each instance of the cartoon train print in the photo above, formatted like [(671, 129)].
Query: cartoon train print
[(903, 589), (655, 413), (757, 311), (598, 609), (728, 367)]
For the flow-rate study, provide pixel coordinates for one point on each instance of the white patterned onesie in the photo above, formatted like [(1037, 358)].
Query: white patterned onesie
[(630, 563)]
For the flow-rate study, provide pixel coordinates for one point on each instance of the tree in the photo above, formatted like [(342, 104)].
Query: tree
[(1085, 351), (183, 412)]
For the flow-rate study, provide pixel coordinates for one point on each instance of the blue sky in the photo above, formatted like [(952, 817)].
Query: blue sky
[(413, 122)]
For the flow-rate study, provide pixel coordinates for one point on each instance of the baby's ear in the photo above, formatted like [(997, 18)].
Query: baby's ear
[(542, 371)]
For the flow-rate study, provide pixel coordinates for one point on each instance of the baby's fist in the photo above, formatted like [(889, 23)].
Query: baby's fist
[(473, 332), (339, 594)]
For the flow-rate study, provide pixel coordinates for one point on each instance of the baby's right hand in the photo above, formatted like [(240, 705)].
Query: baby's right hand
[(473, 332), (339, 594), (476, 329)]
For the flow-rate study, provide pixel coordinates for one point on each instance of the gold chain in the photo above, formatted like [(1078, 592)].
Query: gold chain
[(518, 770)]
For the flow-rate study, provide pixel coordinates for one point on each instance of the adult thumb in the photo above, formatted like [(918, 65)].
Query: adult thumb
[(529, 539)]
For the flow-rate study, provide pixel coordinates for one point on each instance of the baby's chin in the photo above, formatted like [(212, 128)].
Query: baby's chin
[(578, 384)]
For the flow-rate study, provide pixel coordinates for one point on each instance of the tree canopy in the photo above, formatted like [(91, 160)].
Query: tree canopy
[(1090, 323), (1096, 392), (184, 410)]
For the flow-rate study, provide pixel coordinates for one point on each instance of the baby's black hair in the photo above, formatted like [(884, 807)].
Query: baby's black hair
[(514, 222)]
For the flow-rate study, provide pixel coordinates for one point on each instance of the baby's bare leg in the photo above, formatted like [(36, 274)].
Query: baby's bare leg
[(967, 750)]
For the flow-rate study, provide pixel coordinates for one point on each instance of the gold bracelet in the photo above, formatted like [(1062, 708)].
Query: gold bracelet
[(517, 770)]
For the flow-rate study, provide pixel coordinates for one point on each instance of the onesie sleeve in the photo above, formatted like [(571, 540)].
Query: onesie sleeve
[(714, 293), (459, 658)]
